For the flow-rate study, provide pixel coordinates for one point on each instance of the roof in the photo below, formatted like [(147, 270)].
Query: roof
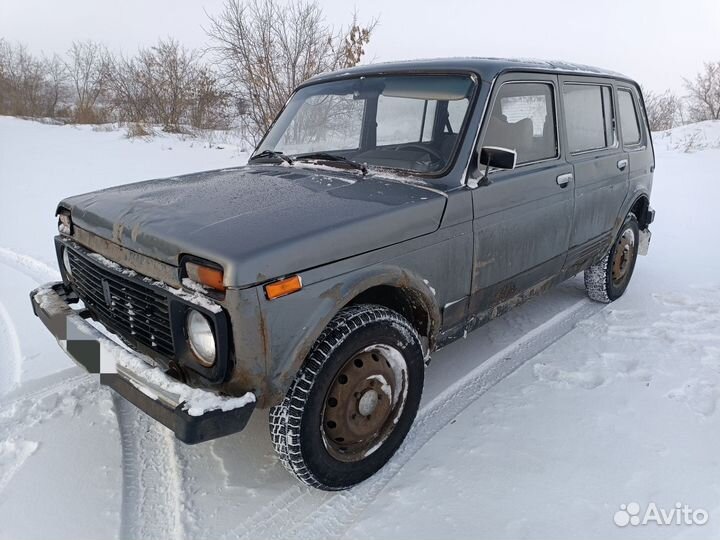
[(487, 68)]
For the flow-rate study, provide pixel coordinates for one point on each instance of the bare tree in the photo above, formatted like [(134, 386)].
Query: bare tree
[(704, 94), (5, 84), (23, 81), (167, 84), (210, 105), (88, 69), (127, 89), (56, 84), (664, 110), (168, 70), (266, 48)]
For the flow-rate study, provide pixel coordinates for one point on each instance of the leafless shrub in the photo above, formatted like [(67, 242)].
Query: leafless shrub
[(23, 81), (127, 90), (57, 91), (265, 48), (168, 72), (210, 104), (138, 129), (87, 67), (664, 110), (167, 84), (689, 142), (104, 128), (30, 86), (704, 94)]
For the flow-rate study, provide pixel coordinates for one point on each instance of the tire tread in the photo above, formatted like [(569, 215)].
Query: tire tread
[(286, 417)]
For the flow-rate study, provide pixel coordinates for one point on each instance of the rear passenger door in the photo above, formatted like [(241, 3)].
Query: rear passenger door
[(522, 217), (600, 167), (635, 138)]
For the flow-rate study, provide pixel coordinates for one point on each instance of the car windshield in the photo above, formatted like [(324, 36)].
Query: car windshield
[(407, 122)]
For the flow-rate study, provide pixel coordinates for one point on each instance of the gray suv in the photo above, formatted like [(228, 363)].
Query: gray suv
[(389, 210)]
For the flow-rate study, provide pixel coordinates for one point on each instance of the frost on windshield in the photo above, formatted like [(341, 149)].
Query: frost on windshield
[(411, 123)]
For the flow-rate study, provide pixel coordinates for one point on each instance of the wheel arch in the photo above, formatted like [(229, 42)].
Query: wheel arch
[(640, 207), (393, 287), (637, 202)]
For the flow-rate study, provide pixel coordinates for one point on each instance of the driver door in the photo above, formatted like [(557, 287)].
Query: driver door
[(522, 218)]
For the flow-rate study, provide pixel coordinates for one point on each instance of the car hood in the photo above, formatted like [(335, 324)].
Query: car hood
[(260, 221)]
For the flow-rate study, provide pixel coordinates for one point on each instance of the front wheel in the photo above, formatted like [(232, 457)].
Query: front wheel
[(607, 280), (353, 402)]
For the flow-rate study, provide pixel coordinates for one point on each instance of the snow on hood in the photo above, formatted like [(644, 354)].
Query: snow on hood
[(259, 222)]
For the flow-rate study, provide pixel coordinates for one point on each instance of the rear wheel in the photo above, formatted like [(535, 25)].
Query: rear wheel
[(353, 402), (607, 280)]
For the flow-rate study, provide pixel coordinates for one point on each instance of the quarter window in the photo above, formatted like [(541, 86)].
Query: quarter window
[(523, 119), (588, 117), (628, 118)]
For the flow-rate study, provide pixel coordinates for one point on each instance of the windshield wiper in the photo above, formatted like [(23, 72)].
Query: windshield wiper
[(273, 154), (324, 156)]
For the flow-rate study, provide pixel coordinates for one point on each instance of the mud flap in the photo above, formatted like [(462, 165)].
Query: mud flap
[(644, 245)]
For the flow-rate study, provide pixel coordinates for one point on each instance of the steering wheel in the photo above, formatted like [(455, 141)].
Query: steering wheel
[(425, 149)]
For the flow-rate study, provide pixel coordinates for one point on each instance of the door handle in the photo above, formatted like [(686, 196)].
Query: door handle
[(564, 179), (621, 164)]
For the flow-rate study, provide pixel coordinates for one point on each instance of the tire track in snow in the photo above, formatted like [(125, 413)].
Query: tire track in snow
[(34, 268), (279, 514), (13, 454), (152, 490), (340, 510), (12, 353), (60, 387), (152, 476), (39, 272), (28, 410)]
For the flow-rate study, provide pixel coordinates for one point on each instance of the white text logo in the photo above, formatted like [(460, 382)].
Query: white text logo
[(680, 514)]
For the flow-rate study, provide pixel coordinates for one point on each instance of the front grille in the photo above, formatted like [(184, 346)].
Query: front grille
[(134, 311)]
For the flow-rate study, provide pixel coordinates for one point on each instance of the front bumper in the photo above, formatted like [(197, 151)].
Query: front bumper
[(194, 415)]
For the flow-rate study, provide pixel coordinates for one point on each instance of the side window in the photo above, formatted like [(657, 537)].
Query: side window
[(400, 120), (588, 117), (523, 119), (629, 123)]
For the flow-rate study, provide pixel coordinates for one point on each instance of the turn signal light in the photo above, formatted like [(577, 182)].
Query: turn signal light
[(206, 275), (283, 287)]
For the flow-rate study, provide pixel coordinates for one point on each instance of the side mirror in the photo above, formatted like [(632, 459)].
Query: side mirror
[(497, 157), (493, 156)]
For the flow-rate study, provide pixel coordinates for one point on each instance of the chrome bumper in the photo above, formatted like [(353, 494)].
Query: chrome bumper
[(194, 415)]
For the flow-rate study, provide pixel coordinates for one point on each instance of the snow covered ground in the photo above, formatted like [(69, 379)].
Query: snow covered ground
[(540, 424)]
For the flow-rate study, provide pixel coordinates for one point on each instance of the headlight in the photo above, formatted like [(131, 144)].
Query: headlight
[(66, 262), (64, 223), (201, 338)]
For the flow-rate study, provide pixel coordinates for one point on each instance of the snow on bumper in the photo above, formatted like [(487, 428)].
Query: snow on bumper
[(193, 414)]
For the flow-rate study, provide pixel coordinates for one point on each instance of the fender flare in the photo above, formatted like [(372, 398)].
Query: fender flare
[(340, 292), (628, 203)]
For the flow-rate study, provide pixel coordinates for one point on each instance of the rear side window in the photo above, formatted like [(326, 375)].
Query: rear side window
[(523, 119), (588, 117), (629, 123)]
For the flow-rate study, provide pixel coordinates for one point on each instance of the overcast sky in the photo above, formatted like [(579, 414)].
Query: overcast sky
[(655, 41)]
